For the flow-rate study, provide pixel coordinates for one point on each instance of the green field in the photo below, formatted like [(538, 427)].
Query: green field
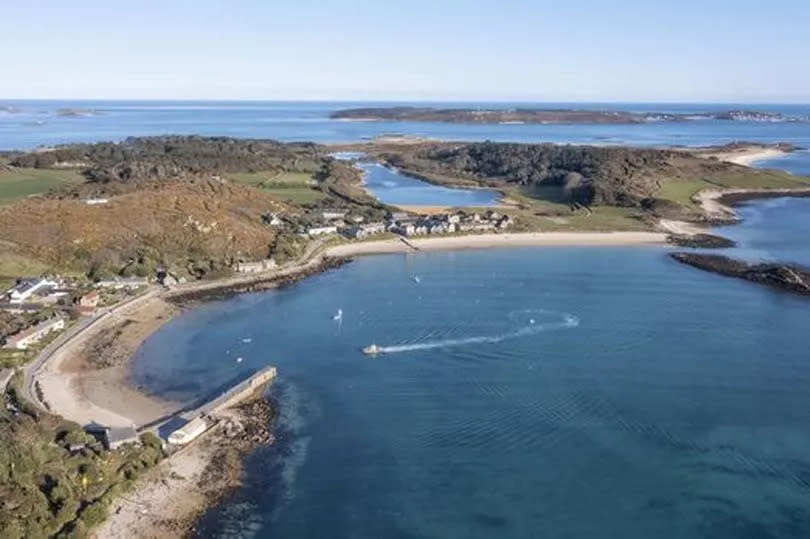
[(294, 187), (682, 192), (25, 182)]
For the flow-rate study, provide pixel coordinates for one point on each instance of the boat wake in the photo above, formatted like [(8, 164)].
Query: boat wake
[(564, 321)]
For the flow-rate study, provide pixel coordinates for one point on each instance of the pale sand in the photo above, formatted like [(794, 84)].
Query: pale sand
[(76, 390), (747, 156), (709, 200), (681, 227), (165, 499), (80, 393), (486, 241)]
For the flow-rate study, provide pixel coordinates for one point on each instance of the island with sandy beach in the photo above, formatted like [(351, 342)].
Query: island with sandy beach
[(168, 222)]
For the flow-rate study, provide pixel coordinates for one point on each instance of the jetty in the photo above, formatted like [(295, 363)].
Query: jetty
[(186, 425)]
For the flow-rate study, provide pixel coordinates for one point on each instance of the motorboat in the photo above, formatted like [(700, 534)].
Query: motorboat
[(372, 350)]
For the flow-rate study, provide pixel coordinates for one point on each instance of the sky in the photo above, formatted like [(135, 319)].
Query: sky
[(508, 50)]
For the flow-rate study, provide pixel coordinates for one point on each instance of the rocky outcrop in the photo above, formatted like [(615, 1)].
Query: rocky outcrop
[(783, 276), (703, 241)]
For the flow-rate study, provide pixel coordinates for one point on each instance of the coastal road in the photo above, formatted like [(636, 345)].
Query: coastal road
[(31, 370)]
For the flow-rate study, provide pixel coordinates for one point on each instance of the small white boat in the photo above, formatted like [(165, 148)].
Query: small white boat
[(339, 315), (372, 350), (416, 279), (239, 360)]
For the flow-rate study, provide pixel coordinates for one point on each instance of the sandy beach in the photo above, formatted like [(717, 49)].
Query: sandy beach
[(85, 390), (488, 241), (167, 501), (748, 155), (88, 378)]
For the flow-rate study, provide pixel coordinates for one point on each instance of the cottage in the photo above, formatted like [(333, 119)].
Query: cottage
[(355, 233), (112, 437), (362, 231), (130, 283), (20, 307), (321, 231), (33, 334), (27, 288), (256, 267), (333, 215), (88, 303)]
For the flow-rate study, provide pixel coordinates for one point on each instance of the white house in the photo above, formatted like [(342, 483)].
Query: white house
[(333, 215), (321, 230), (255, 267), (120, 284), (35, 333), (24, 290)]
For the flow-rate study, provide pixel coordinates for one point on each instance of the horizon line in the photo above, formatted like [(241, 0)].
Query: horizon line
[(398, 100)]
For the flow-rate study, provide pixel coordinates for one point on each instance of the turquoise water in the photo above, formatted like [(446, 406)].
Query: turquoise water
[(535, 392), (36, 123), (393, 187)]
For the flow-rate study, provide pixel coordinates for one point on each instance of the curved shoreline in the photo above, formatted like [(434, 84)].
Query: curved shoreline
[(178, 478), (63, 377)]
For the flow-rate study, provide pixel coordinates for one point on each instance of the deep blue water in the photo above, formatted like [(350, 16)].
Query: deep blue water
[(37, 123), (393, 187), (647, 399)]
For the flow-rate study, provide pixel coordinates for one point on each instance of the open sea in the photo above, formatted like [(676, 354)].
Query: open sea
[(28, 124), (573, 392)]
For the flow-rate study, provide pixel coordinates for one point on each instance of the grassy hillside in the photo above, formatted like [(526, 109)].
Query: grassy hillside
[(189, 226)]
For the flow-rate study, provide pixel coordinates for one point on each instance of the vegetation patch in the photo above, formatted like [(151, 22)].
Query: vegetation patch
[(56, 480), (19, 183)]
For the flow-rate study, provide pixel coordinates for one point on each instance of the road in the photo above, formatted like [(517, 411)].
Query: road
[(31, 370)]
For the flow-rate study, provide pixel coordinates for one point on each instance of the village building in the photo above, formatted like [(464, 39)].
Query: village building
[(112, 437), (33, 334), (25, 290), (363, 231), (333, 215), (321, 230), (255, 267), (130, 283), (21, 308), (87, 303)]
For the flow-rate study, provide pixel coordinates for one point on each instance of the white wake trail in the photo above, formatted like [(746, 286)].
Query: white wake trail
[(568, 321)]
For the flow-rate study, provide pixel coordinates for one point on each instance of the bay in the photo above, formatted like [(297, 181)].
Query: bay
[(674, 406)]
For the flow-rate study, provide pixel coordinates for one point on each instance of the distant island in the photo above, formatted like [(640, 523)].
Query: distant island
[(548, 116)]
